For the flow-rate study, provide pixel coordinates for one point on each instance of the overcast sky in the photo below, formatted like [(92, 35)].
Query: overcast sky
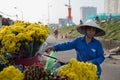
[(37, 10)]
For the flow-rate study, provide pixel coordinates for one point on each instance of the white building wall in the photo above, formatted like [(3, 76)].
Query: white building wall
[(119, 6), (85, 12), (112, 6)]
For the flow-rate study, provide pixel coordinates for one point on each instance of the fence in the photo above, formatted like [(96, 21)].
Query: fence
[(109, 44)]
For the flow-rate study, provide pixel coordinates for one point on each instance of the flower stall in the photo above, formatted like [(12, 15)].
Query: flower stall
[(18, 60)]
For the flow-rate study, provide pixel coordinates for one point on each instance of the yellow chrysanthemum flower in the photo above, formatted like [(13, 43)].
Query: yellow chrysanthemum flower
[(76, 70), (22, 33), (11, 73)]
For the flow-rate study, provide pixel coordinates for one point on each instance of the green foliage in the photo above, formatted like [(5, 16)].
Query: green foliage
[(112, 29), (66, 30)]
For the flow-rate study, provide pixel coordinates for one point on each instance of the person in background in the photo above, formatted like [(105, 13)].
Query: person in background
[(56, 33), (81, 22), (109, 17), (87, 47), (97, 19), (0, 21)]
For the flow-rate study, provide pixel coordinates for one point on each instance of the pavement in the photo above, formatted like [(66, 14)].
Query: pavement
[(112, 55), (110, 66), (115, 57)]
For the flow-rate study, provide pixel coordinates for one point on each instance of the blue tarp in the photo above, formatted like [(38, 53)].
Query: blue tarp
[(104, 16)]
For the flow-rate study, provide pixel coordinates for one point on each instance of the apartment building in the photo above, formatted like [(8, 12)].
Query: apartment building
[(112, 6)]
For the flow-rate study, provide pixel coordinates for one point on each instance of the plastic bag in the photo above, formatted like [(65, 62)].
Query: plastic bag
[(50, 62)]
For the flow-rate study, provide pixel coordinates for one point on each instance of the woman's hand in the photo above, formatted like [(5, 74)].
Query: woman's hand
[(49, 49)]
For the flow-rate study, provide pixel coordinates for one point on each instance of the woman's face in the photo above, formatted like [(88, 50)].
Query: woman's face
[(90, 32)]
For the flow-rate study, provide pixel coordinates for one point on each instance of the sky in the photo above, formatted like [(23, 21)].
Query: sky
[(46, 10)]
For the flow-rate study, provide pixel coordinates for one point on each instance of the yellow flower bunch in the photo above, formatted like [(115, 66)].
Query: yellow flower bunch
[(11, 73), (21, 33), (77, 70)]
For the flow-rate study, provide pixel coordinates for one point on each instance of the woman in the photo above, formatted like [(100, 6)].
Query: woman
[(88, 49)]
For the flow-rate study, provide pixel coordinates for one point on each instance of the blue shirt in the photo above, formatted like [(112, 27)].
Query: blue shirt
[(92, 51)]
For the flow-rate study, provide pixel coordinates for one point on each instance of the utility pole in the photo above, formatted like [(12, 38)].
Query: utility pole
[(69, 12), (20, 11), (49, 14)]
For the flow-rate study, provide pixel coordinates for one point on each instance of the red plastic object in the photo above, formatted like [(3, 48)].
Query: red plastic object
[(27, 61)]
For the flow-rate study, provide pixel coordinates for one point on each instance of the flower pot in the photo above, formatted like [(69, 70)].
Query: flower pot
[(27, 61)]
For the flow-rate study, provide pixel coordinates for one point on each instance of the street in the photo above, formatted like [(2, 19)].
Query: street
[(110, 67)]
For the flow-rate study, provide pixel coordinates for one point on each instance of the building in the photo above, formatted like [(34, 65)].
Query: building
[(53, 25), (63, 22), (85, 12), (112, 6)]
